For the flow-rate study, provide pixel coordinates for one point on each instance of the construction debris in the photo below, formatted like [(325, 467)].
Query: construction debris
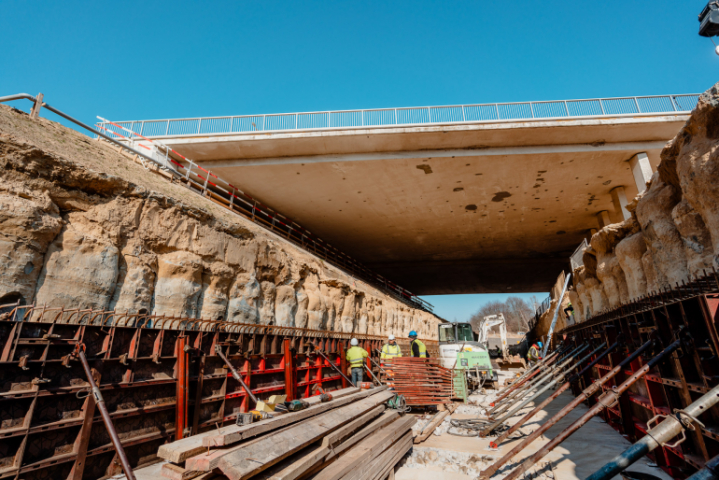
[(327, 440)]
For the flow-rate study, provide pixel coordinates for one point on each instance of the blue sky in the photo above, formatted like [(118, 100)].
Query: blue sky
[(152, 59)]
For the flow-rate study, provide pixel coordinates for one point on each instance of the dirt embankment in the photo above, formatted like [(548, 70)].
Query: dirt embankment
[(82, 226), (673, 233)]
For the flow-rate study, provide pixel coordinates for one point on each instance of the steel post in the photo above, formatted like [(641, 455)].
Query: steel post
[(546, 373), (551, 398), (546, 377), (487, 430), (607, 400), (182, 404), (235, 374), (531, 372), (672, 426), (100, 402), (556, 315), (334, 366), (586, 394)]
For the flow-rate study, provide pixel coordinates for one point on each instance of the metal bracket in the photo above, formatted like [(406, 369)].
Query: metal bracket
[(610, 398)]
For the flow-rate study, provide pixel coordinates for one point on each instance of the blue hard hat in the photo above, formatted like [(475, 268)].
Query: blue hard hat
[(412, 333), (540, 344)]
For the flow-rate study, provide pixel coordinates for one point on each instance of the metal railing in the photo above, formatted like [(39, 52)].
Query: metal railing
[(409, 116)]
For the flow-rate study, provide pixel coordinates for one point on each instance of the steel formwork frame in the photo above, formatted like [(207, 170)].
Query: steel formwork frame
[(160, 377), (689, 311)]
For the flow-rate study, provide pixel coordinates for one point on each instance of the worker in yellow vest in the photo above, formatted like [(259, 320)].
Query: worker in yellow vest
[(390, 350), (356, 357), (417, 348)]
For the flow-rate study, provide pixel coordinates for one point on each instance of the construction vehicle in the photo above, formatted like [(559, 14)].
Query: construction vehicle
[(460, 349)]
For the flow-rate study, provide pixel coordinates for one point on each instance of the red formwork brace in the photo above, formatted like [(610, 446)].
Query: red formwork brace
[(182, 391)]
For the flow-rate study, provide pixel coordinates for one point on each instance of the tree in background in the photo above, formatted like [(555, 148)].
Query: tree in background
[(517, 313)]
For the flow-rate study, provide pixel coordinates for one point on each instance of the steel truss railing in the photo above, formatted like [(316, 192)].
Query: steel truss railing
[(409, 116)]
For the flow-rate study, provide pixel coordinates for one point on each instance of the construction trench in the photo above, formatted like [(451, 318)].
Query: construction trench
[(148, 332)]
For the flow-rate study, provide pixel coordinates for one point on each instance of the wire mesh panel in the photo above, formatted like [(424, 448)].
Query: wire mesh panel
[(479, 113), (655, 104), (583, 108), (280, 122), (446, 114), (247, 124), (379, 117), (686, 103), (619, 106), (154, 128), (512, 111), (413, 115), (346, 119), (549, 109), (216, 125), (183, 127), (313, 120)]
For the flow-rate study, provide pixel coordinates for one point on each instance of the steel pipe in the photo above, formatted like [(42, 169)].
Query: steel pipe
[(551, 398), (523, 395), (531, 372), (607, 400), (486, 431), (235, 374), (586, 394), (547, 373), (672, 426), (106, 416)]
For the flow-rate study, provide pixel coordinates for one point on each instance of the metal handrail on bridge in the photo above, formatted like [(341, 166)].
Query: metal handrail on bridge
[(416, 116)]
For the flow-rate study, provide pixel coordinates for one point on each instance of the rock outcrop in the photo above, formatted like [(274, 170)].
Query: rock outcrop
[(82, 226), (673, 234)]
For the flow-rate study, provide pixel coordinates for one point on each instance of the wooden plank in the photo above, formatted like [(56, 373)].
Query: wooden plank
[(387, 417), (303, 464), (378, 467), (210, 460), (335, 395), (270, 449), (366, 449), (234, 433), (181, 450), (176, 472), (431, 427)]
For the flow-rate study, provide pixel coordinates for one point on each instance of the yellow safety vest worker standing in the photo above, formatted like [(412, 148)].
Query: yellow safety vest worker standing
[(390, 351), (421, 350), (356, 357)]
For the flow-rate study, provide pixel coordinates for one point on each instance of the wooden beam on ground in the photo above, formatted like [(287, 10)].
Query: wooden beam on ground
[(378, 467), (234, 434), (300, 466), (387, 417), (431, 427), (176, 472), (270, 449), (335, 395), (366, 450), (181, 450)]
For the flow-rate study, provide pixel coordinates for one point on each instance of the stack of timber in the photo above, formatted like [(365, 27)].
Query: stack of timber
[(327, 441), (422, 381)]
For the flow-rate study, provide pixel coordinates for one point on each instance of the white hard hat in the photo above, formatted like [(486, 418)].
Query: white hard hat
[(354, 342), (391, 337)]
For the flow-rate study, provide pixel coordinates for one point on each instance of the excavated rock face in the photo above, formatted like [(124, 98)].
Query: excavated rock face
[(83, 226), (674, 230)]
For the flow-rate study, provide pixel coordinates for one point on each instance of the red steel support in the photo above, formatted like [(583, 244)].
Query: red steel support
[(182, 378), (343, 364), (290, 381)]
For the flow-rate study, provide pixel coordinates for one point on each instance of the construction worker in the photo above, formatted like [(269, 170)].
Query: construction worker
[(390, 350), (535, 353), (417, 348), (356, 357)]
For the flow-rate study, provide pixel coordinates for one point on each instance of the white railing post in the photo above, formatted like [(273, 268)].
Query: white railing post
[(531, 109), (672, 100), (566, 108), (463, 114), (167, 129), (496, 107), (142, 128), (639, 110), (199, 125), (395, 116), (263, 122), (601, 105)]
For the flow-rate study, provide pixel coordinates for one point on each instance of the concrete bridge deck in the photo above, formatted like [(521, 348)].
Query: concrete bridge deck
[(456, 207)]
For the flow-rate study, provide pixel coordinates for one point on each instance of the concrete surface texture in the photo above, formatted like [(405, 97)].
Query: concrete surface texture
[(672, 234), (446, 209), (578, 457), (82, 226)]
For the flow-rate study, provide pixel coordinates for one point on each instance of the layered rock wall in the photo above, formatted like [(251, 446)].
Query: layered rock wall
[(82, 226), (673, 233)]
